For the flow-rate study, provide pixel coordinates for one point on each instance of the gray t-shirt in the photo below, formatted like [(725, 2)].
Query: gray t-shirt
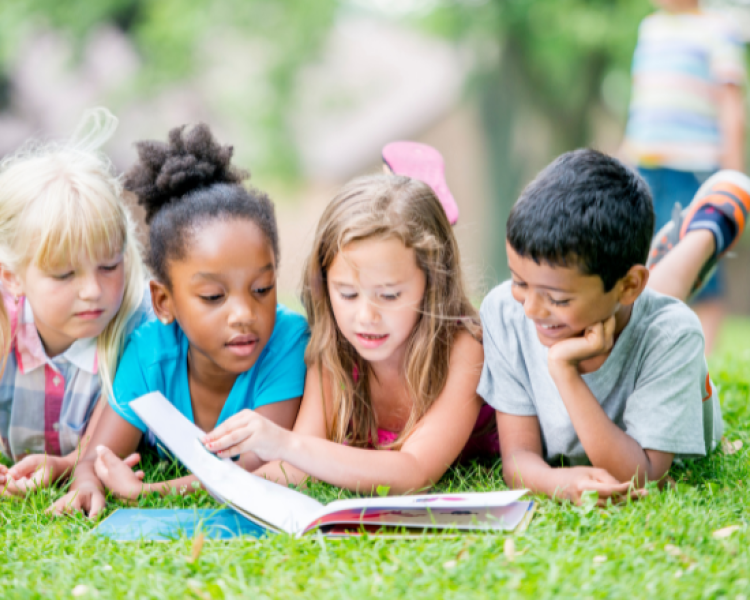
[(654, 385)]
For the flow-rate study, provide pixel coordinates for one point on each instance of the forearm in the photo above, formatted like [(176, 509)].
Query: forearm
[(357, 469), (526, 469), (84, 475), (183, 486), (607, 446)]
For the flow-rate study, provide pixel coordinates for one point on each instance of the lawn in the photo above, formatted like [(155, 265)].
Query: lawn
[(688, 542)]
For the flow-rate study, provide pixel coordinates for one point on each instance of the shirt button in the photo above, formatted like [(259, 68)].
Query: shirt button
[(56, 426), (56, 380)]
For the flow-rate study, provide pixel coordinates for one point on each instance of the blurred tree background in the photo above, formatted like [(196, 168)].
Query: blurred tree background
[(546, 75)]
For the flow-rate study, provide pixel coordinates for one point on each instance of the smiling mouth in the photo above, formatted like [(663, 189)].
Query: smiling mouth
[(549, 327), (373, 336)]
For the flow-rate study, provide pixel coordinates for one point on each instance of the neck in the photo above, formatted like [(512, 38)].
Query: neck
[(208, 375)]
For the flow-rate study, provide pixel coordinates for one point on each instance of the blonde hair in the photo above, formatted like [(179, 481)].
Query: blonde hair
[(60, 200), (385, 207)]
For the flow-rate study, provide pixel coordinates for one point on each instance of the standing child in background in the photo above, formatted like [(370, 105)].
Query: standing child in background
[(599, 381), (687, 117), (72, 287), (222, 343), (395, 352)]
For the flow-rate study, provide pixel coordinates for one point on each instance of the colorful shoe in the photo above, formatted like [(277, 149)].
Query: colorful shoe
[(423, 162), (729, 193)]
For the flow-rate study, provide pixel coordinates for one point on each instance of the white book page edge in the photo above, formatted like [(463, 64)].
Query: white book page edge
[(271, 503)]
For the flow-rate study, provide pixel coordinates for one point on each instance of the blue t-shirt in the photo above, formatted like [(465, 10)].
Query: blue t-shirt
[(155, 360)]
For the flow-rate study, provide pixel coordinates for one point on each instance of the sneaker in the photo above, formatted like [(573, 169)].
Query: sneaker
[(425, 163), (728, 192)]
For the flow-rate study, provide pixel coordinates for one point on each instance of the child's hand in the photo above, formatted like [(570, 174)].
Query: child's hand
[(117, 474), (597, 339), (247, 431), (591, 479), (87, 498), (10, 486), (38, 470)]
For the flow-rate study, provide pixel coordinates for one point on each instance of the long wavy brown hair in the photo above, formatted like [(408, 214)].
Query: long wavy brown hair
[(385, 207)]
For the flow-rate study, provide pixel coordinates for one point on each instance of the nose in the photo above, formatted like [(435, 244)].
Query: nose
[(367, 312), (241, 312), (533, 306), (91, 289)]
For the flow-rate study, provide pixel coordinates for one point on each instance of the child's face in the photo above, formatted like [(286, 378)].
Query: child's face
[(561, 301), (223, 295), (376, 290), (74, 301)]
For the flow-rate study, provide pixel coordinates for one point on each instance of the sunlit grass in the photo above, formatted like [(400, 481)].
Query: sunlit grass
[(660, 547)]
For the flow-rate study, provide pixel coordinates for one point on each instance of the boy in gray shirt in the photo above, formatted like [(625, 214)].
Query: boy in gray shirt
[(587, 367)]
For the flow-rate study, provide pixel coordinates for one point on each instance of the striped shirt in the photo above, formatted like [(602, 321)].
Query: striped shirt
[(46, 403), (680, 63)]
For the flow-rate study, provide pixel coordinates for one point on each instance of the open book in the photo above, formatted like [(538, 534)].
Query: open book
[(279, 508)]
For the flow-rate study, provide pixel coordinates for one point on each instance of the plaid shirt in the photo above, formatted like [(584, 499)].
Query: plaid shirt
[(46, 403)]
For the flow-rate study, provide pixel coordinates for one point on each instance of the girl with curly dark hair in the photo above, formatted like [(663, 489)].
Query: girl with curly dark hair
[(221, 343)]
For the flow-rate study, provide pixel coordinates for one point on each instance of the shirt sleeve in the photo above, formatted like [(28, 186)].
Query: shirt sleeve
[(500, 385), (665, 411), (727, 55), (284, 370), (130, 383)]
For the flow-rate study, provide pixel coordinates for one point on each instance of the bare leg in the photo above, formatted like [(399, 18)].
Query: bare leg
[(675, 274)]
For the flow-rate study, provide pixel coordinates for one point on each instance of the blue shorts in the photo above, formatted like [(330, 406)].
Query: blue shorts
[(667, 187)]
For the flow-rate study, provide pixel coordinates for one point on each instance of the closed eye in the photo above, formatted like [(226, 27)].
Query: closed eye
[(349, 296), (110, 267), (263, 291), (63, 276), (390, 297), (559, 302), (212, 297)]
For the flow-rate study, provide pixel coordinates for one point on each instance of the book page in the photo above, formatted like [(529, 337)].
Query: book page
[(493, 518), (273, 504), (451, 501)]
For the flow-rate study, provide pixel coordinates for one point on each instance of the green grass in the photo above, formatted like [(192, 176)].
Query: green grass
[(658, 547)]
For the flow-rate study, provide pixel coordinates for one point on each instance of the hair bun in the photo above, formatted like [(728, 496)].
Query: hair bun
[(191, 160)]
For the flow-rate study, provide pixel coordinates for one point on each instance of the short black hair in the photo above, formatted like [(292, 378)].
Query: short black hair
[(187, 182), (585, 209)]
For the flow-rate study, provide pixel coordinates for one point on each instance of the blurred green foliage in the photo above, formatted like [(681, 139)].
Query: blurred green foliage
[(175, 38)]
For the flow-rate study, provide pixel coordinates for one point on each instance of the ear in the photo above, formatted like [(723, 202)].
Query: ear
[(161, 300), (10, 281), (633, 284)]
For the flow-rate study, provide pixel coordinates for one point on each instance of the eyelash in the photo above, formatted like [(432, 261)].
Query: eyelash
[(69, 274), (552, 301), (216, 297), (559, 302), (386, 297)]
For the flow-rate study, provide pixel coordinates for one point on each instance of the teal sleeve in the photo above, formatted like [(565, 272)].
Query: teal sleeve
[(130, 383), (284, 370)]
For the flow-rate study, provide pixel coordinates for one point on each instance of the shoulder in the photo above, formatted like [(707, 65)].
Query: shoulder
[(155, 342), (500, 312), (660, 322), (467, 348), (290, 328)]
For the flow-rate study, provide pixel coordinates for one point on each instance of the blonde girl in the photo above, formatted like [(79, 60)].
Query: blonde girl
[(72, 283), (395, 353)]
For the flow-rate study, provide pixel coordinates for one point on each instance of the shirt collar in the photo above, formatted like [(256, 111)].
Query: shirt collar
[(82, 352)]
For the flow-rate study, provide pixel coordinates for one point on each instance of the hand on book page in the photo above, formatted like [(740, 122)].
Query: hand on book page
[(247, 431)]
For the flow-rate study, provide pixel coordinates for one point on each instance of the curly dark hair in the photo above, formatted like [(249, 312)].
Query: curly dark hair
[(186, 182)]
